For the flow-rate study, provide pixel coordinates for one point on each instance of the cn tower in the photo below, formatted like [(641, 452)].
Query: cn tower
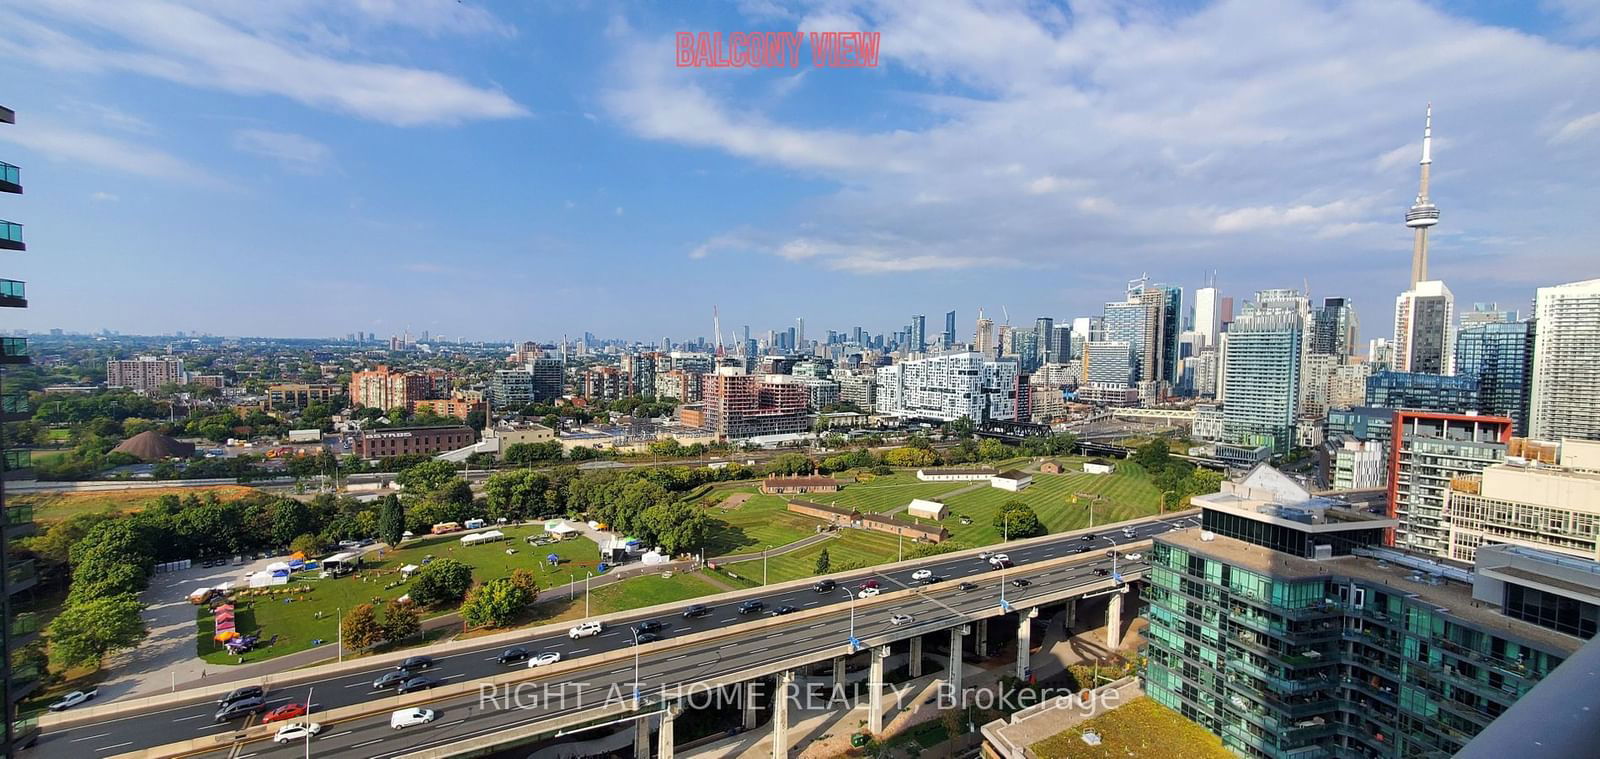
[(1423, 213)]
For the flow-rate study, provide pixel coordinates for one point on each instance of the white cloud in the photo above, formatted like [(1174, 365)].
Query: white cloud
[(260, 49), (295, 152), (107, 153), (1140, 137), (103, 197), (1577, 128)]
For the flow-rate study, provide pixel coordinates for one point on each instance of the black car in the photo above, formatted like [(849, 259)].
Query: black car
[(967, 586), (1087, 538), (648, 637), (824, 586), (1020, 582), (751, 607), (242, 707), (697, 610), (239, 694), (785, 609), (649, 626), (415, 663), (1002, 564), (420, 682), (513, 655), (1101, 572), (931, 579), (390, 679), (1080, 549)]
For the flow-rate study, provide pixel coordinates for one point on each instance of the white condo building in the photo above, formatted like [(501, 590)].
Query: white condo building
[(1424, 329), (1565, 398), (949, 387)]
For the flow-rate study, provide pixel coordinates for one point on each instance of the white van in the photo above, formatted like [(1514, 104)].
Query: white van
[(409, 717)]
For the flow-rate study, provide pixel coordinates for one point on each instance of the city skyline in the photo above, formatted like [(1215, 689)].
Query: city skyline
[(422, 149)]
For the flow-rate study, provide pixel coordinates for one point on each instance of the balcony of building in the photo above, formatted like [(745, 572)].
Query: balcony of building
[(21, 575), (25, 731), (15, 464), (7, 116), (11, 236), (13, 294), (1560, 710), (10, 178), (13, 350), (25, 679), (23, 629), (16, 521), (14, 407)]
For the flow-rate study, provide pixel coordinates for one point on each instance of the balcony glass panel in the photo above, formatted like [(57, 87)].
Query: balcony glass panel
[(10, 231), (9, 173), (15, 514), (13, 346), (14, 403), (13, 460), (20, 572), (10, 288), (26, 623)]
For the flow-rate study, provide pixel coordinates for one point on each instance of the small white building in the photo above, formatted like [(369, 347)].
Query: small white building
[(1013, 480), (956, 474), (925, 509), (1098, 466)]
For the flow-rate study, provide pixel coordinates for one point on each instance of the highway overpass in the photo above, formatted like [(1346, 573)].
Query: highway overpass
[(595, 679)]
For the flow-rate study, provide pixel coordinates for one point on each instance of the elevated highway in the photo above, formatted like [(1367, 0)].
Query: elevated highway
[(595, 680)]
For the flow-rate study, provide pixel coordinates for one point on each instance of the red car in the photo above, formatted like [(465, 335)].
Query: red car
[(287, 711)]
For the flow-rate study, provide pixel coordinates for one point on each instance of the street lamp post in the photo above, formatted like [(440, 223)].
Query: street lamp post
[(572, 586), (852, 595), (586, 576), (764, 564), (308, 721), (340, 612), (635, 632)]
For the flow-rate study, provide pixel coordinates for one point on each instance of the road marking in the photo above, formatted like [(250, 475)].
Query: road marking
[(616, 671), (210, 727), (680, 656), (90, 738), (358, 685), (276, 700), (246, 756), (336, 735), (119, 745), (368, 743), (809, 605), (492, 658), (190, 717), (580, 650), (447, 724)]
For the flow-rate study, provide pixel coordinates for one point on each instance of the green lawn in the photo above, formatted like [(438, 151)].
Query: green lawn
[(859, 547), (1128, 494), (649, 590), (1138, 729), (885, 492), (763, 520), (295, 616)]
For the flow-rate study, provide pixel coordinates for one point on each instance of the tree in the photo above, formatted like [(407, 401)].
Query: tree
[(444, 581), (990, 449), (524, 579), (822, 562), (959, 428), (401, 621), (290, 519), (790, 463), (426, 477), (676, 526), (307, 545), (391, 520), (360, 628), (496, 603), (91, 628), (1016, 519), (1153, 456), (909, 457)]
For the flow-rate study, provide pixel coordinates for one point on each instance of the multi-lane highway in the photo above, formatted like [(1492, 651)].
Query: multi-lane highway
[(461, 719)]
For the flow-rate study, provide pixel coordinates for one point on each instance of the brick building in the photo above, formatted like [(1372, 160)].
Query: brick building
[(739, 406), (298, 396), (406, 441), (385, 388), (797, 484), (144, 374)]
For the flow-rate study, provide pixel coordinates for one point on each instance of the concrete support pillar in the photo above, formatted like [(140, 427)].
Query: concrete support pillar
[(955, 657), (875, 691), (664, 739), (641, 737), (1024, 642), (916, 656), (780, 715), (1114, 622), (980, 644), (839, 671), (749, 699), (1072, 614)]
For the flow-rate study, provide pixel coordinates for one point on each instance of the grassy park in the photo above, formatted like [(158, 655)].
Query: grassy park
[(1139, 729), (300, 616), (55, 507)]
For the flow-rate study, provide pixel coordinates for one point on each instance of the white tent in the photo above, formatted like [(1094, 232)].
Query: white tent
[(655, 558), (559, 528), (266, 577), (278, 569), (482, 537), (408, 569)]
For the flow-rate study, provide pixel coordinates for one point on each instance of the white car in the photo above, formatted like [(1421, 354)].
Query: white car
[(1132, 556), (540, 660), (997, 558), (72, 699), (984, 555), (409, 717), (296, 732), (585, 630), (901, 619), (868, 593), (922, 574)]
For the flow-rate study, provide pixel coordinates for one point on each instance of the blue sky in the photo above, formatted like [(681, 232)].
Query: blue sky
[(533, 169)]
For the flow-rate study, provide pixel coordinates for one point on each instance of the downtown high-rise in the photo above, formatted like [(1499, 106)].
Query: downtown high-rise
[(1262, 361), (1564, 398)]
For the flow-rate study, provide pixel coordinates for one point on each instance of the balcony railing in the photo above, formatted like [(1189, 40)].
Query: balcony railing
[(10, 231), (14, 460), (15, 403), (13, 347), (10, 288), (21, 572), (14, 514), (26, 623), (10, 174)]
